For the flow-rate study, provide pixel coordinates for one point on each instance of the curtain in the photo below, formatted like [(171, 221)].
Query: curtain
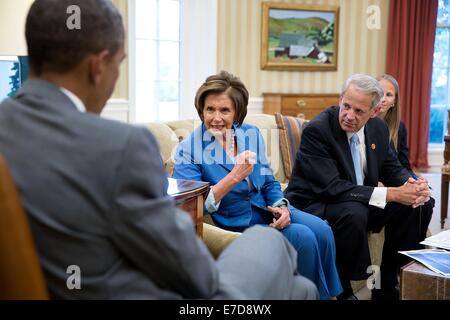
[(409, 59)]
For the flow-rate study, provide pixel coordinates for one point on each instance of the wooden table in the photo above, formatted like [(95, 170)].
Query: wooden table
[(190, 196), (417, 282)]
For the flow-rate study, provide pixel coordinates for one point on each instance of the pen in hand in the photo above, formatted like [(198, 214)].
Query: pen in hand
[(416, 178)]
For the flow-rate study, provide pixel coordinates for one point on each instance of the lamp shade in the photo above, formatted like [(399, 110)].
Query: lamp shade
[(13, 14)]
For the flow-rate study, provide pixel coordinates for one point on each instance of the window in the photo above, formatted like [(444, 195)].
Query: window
[(157, 59), (440, 90), (172, 48)]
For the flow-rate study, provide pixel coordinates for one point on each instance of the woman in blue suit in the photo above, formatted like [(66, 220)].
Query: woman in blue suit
[(230, 156)]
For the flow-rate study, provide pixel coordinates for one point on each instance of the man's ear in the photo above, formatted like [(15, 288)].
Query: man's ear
[(97, 65), (376, 111)]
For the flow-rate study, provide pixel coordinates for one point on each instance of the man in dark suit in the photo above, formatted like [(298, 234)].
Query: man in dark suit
[(344, 153), (95, 190)]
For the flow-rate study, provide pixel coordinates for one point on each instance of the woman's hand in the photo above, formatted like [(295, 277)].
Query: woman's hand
[(241, 170), (245, 162), (282, 217)]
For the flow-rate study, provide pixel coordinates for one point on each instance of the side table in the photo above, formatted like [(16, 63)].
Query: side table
[(190, 196), (417, 282)]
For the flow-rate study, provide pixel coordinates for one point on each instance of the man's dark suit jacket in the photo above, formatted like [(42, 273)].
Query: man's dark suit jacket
[(323, 171)]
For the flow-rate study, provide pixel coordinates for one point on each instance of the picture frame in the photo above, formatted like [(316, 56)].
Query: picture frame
[(299, 37), (13, 72)]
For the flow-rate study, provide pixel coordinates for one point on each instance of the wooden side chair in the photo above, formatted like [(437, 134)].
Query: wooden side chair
[(21, 275)]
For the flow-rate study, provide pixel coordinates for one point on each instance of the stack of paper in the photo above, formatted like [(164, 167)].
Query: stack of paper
[(440, 240), (436, 260)]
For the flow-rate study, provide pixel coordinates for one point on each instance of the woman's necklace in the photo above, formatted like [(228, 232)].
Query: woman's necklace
[(230, 144), (232, 152)]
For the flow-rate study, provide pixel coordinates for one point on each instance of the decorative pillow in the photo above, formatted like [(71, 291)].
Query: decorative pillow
[(290, 133)]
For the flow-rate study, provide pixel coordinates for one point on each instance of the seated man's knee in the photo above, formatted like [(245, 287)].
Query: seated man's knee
[(257, 232), (354, 214), (304, 289)]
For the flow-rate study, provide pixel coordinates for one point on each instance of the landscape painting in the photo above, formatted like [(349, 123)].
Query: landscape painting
[(13, 71), (299, 37)]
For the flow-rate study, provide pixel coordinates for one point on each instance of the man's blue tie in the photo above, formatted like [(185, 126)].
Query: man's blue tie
[(356, 156)]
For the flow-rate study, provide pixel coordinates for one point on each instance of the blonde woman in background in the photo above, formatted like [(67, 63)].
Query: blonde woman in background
[(390, 112)]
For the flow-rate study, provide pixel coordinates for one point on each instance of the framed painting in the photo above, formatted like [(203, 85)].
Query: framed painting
[(299, 37), (13, 72)]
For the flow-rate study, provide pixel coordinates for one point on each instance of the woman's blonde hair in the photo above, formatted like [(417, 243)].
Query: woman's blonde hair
[(393, 116)]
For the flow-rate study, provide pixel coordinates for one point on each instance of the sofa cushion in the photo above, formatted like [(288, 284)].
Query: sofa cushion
[(269, 131), (290, 130), (217, 239), (167, 141), (183, 128)]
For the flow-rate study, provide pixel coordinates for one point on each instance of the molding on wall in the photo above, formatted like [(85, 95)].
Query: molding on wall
[(131, 41), (255, 105), (435, 156), (117, 109)]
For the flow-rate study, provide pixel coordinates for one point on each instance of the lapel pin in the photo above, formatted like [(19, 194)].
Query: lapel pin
[(373, 146)]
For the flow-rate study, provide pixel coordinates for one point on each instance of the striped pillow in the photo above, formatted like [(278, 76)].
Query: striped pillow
[(290, 133)]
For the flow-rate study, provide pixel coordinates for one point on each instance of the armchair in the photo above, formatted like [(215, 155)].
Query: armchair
[(21, 276)]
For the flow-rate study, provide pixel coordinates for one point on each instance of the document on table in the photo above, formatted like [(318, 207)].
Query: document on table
[(436, 260), (440, 240)]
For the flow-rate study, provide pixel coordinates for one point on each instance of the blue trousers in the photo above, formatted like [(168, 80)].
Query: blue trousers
[(313, 239)]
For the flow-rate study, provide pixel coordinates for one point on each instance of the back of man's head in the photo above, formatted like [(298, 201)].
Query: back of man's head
[(57, 44)]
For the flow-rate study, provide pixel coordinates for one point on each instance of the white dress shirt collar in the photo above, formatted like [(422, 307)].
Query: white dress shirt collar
[(75, 100), (360, 134)]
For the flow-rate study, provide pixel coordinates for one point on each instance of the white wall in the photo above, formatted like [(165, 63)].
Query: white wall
[(12, 26)]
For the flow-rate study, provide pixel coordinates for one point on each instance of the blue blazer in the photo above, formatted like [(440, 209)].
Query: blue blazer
[(201, 158)]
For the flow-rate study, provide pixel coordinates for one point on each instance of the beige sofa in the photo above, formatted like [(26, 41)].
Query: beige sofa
[(170, 133)]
